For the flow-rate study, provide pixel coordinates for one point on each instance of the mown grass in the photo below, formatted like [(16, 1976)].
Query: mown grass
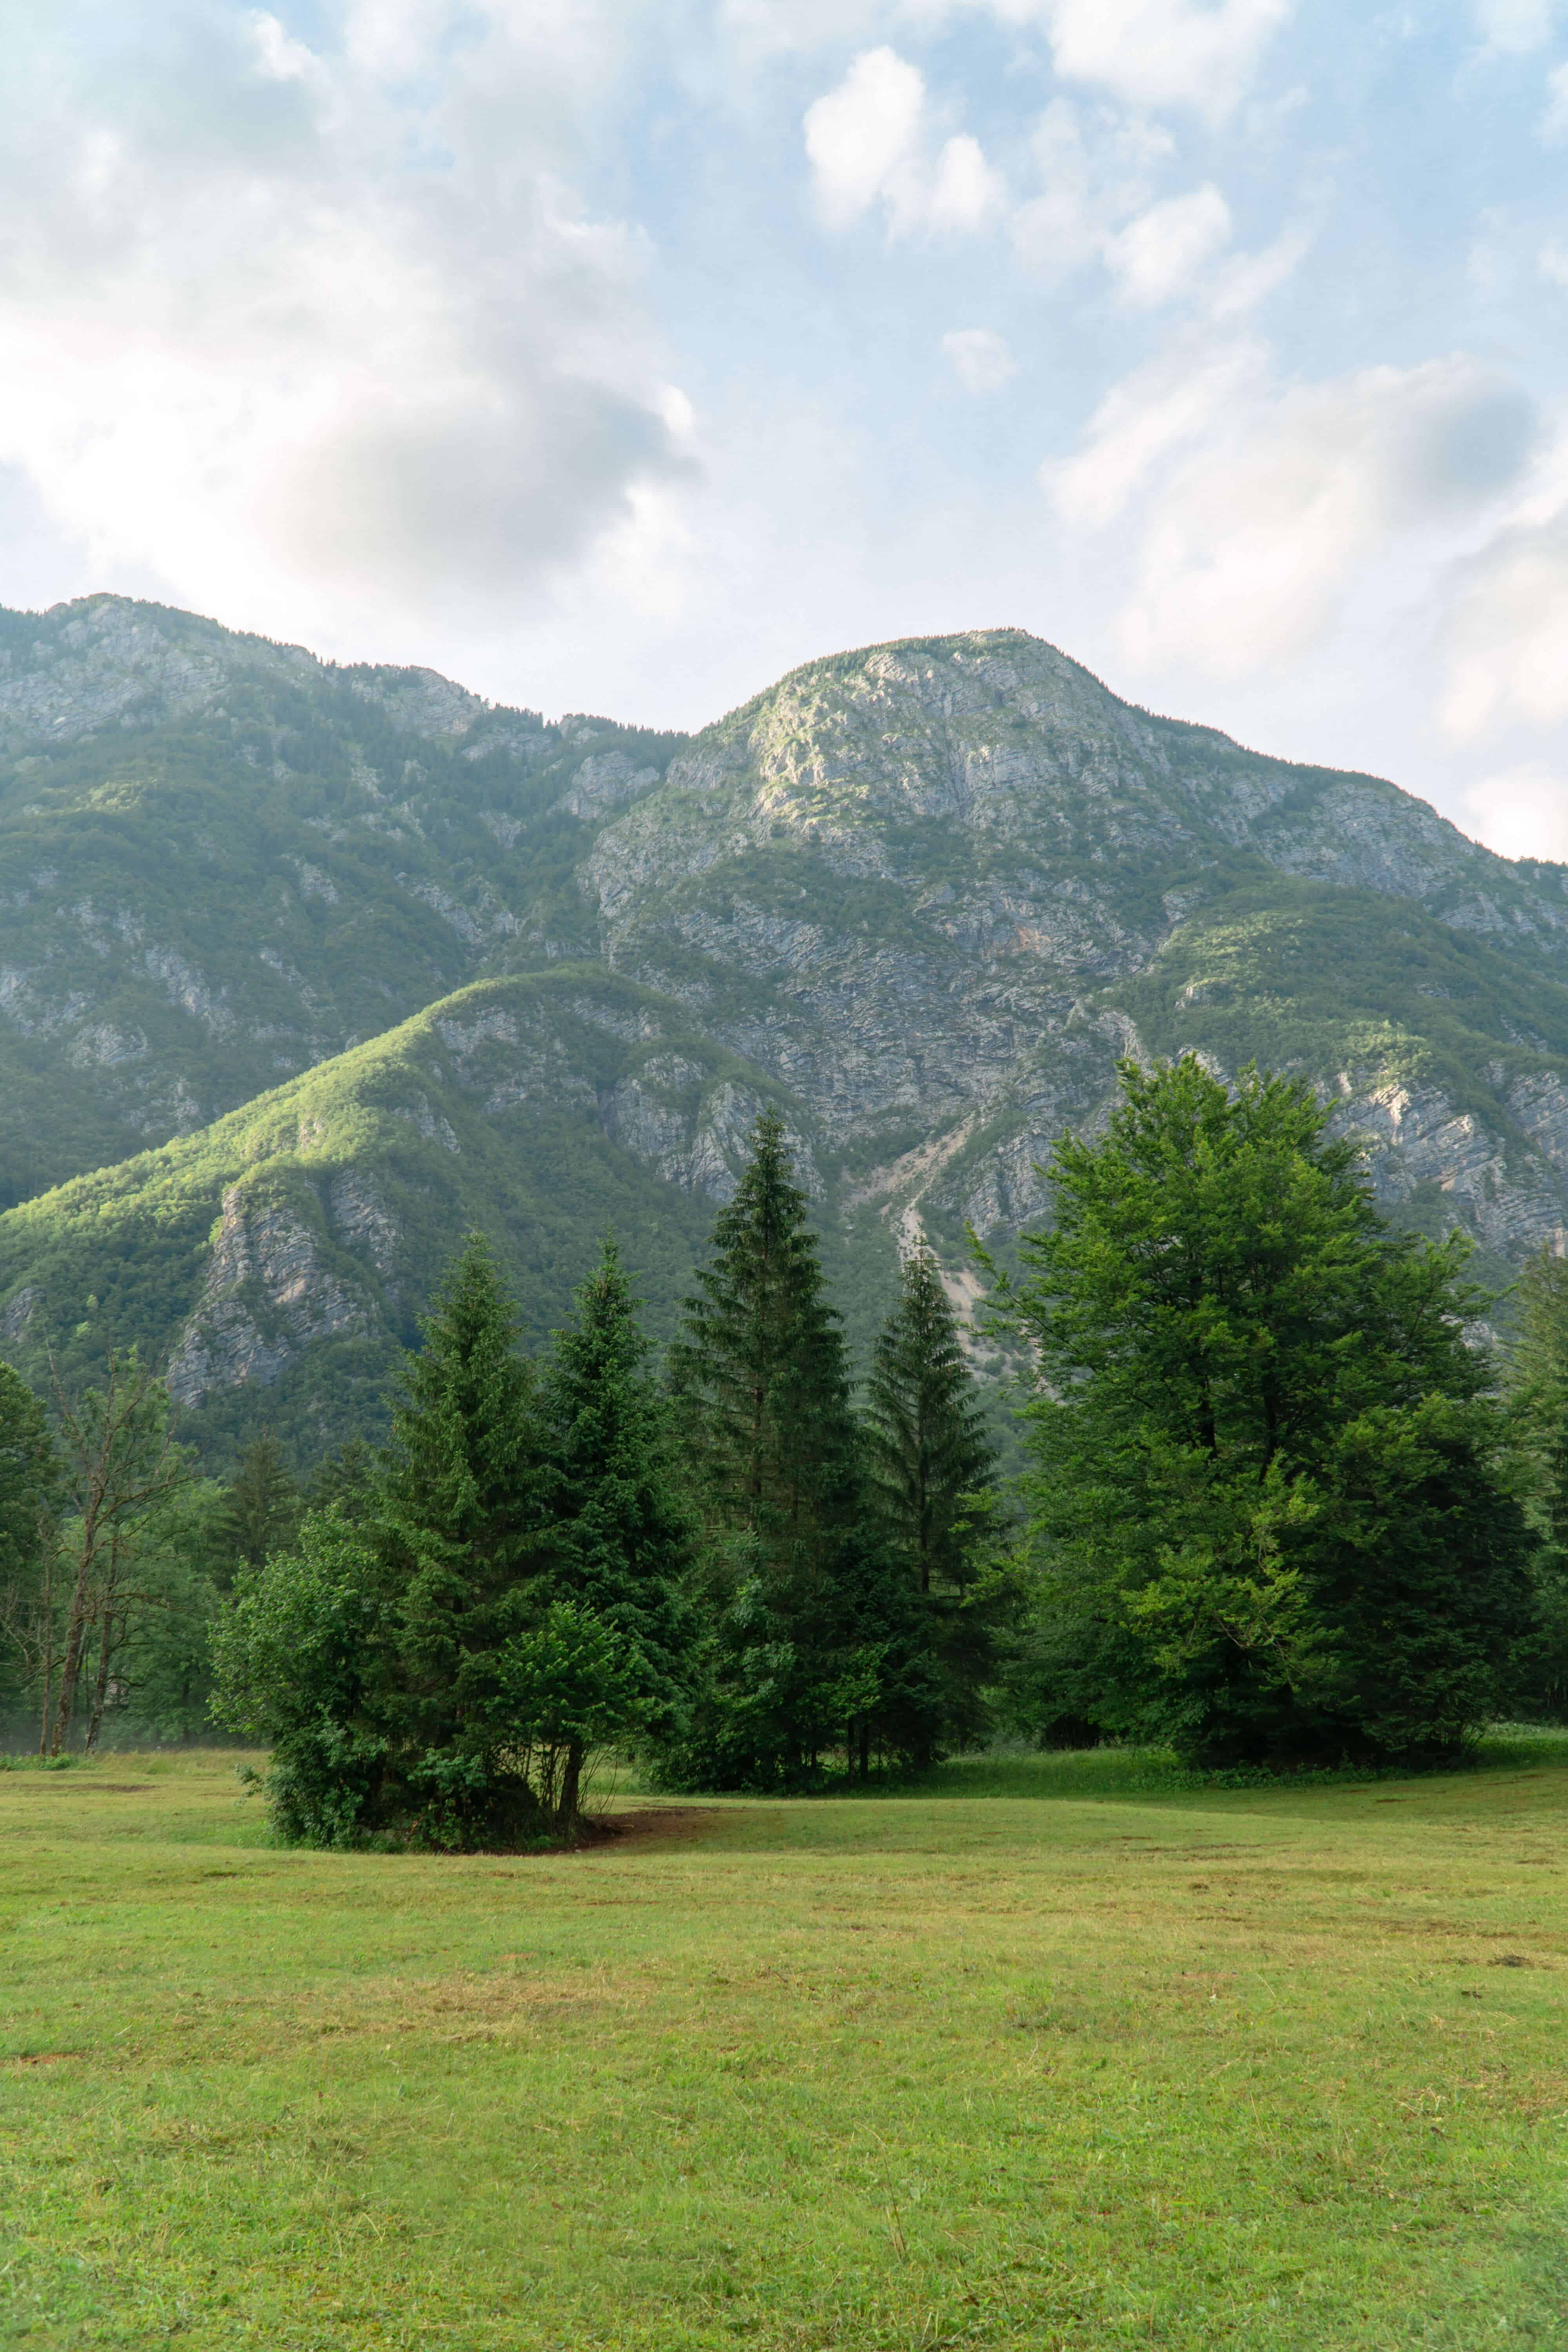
[(1053, 2054)]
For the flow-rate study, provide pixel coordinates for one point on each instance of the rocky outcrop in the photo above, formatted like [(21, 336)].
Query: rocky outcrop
[(266, 1296)]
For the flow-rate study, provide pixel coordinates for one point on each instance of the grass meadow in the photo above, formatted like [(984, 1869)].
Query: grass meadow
[(1060, 2053)]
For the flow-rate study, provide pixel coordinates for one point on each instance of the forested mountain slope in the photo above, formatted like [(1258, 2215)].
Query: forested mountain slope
[(222, 861), (920, 895)]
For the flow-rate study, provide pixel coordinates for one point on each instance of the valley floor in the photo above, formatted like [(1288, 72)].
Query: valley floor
[(1057, 2057)]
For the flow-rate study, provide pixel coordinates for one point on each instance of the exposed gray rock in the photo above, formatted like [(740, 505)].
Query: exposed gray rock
[(19, 1312), (434, 1125), (265, 1297), (605, 781)]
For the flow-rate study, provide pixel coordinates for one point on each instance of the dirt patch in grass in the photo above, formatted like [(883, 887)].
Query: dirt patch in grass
[(648, 1825)]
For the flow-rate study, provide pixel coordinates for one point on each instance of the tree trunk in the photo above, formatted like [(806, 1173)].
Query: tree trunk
[(865, 1748), (77, 1625), (100, 1686), (49, 1649), (570, 1780)]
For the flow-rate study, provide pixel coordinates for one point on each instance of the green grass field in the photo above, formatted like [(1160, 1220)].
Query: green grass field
[(1062, 2053)]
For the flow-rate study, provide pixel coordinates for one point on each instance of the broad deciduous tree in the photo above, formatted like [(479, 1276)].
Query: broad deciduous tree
[(1270, 1498)]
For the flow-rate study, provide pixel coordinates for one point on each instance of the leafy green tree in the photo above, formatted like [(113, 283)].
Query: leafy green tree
[(932, 1469), (815, 1634), (120, 1464), (261, 1511), (1270, 1497), (153, 1667), (29, 1493), (301, 1653), (619, 1531), (1537, 1377)]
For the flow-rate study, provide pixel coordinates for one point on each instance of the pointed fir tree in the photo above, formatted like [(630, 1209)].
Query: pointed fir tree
[(926, 1429), (459, 1526), (619, 1534), (932, 1471), (812, 1644), (260, 1512), (346, 1478)]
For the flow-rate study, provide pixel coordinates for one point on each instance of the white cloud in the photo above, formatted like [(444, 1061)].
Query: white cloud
[(1156, 411), (1520, 812), (862, 137), (1514, 27), (1156, 256), (1097, 203), (1554, 121), (241, 339), (966, 191), (1163, 52), (981, 360), (1250, 277), (868, 143), (1507, 631), (1253, 510), (1553, 263)]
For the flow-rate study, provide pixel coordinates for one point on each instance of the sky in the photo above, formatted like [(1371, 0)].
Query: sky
[(618, 356)]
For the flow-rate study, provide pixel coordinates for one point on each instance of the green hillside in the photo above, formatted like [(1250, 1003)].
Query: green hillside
[(279, 1259), (223, 861)]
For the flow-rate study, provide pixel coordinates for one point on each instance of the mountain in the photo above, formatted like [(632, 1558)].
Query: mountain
[(222, 861), (277, 1260), (308, 968)]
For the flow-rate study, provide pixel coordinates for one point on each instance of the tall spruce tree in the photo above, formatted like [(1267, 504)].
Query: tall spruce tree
[(619, 1533), (932, 1467), (814, 1641), (460, 1525), (260, 1512), (926, 1428), (761, 1370)]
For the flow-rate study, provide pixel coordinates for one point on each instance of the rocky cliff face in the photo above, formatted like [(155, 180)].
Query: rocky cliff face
[(912, 883), (923, 896)]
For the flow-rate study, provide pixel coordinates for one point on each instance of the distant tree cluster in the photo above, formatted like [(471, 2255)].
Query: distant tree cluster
[(1281, 1510), (730, 1573)]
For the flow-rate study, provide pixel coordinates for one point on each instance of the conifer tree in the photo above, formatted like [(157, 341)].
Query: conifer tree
[(932, 1469), (815, 1639), (926, 1428), (619, 1534), (761, 1369), (1537, 1381), (1538, 1397), (460, 1622), (260, 1512), (459, 1525)]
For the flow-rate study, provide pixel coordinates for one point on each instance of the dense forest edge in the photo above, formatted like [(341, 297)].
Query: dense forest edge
[(1280, 1512)]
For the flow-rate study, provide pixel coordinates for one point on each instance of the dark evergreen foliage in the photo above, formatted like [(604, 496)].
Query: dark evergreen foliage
[(815, 1634), (933, 1470), (261, 1510), (619, 1528), (454, 1633)]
